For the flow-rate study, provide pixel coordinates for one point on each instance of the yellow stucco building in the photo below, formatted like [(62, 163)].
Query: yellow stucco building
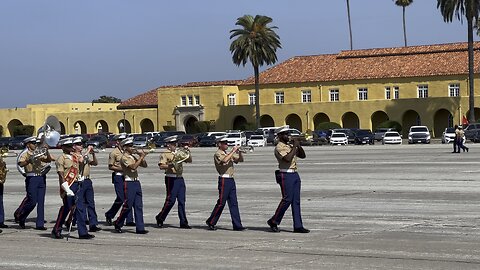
[(415, 85)]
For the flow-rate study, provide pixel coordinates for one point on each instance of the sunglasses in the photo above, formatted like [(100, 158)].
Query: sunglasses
[(78, 144)]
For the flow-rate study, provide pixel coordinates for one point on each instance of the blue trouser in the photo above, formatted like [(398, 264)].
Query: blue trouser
[(117, 181), (133, 200), (89, 202), (74, 203), (290, 186), (2, 210), (176, 190), (227, 192), (36, 188)]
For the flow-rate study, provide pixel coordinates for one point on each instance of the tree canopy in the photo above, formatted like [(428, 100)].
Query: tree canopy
[(107, 99)]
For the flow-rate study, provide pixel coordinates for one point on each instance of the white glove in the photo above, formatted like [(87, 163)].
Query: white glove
[(67, 189)]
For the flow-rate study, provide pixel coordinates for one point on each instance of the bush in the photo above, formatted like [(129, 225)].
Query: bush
[(249, 126), (391, 124), (169, 128), (23, 130), (327, 126), (201, 126)]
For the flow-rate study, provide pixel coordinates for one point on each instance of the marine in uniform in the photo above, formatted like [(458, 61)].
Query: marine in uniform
[(117, 181), (3, 168), (227, 192), (289, 180), (174, 183), (71, 191), (132, 187), (86, 160), (35, 184)]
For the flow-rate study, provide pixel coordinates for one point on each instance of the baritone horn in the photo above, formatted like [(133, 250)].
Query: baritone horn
[(180, 155), (4, 153)]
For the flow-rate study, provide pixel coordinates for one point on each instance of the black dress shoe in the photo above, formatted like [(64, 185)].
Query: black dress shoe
[(159, 222), (185, 226), (109, 221), (22, 224), (94, 229), (87, 222), (86, 236), (118, 229), (2, 225), (130, 224), (301, 230), (141, 232), (57, 235), (1, 231), (240, 229), (273, 226), (41, 228), (211, 227)]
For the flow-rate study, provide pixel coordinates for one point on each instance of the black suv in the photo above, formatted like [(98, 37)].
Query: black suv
[(364, 136)]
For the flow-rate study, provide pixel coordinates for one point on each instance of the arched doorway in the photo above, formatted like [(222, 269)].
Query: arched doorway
[(62, 128), (350, 120), (101, 126), (442, 119), (146, 125), (377, 118), (410, 118), (80, 127), (320, 118), (190, 124), (12, 124), (266, 121), (294, 121), (124, 126), (239, 123)]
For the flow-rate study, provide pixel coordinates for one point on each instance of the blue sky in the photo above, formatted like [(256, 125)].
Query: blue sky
[(54, 51)]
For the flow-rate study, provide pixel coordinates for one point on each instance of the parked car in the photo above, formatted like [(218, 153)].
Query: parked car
[(364, 136), (16, 143), (338, 138), (392, 137), (448, 135), (188, 140), (140, 141), (320, 137), (418, 134), (206, 141), (98, 141), (257, 141), (237, 138), (347, 131), (112, 142), (4, 141), (470, 130), (379, 132), (475, 138), (160, 141)]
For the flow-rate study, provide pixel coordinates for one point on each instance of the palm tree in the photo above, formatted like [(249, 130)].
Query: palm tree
[(469, 9), (349, 24), (255, 42), (404, 4)]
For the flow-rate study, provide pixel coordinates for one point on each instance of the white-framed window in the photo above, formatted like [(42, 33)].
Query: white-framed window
[(232, 99), (362, 93), (306, 96), (279, 98), (251, 98), (396, 92), (388, 93), (422, 91), (190, 100), (184, 101), (454, 90), (334, 95), (197, 100)]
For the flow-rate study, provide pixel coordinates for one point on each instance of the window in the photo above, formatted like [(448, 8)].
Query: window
[(334, 95), (251, 98), (387, 93), (279, 98), (232, 100), (454, 90), (197, 100), (362, 94), (306, 96), (184, 101), (422, 91), (190, 100), (396, 94)]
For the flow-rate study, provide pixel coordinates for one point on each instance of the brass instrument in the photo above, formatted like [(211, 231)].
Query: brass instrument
[(4, 152), (179, 156), (150, 147), (246, 149)]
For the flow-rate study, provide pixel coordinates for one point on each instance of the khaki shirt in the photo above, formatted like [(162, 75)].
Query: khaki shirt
[(223, 168), (126, 161), (64, 163), (37, 165), (460, 133), (167, 158), (115, 157), (86, 169), (282, 150)]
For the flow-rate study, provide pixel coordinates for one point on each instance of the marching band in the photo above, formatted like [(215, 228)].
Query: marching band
[(77, 193)]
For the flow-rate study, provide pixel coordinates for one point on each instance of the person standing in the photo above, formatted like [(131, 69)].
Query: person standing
[(3, 169), (71, 191), (117, 181), (227, 191), (174, 182), (289, 180), (461, 140), (132, 187), (35, 184), (455, 140)]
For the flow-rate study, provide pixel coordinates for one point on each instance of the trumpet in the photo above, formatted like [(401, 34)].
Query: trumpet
[(246, 149), (149, 148)]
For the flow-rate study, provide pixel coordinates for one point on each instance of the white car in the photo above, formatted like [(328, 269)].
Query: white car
[(237, 138), (338, 138), (418, 134), (448, 135), (257, 141), (392, 137)]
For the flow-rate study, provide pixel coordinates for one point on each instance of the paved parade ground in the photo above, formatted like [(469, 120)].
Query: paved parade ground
[(368, 207)]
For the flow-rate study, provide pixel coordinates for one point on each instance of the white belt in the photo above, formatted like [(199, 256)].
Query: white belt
[(226, 175), (80, 179), (119, 173), (172, 175), (288, 170), (32, 174), (128, 179)]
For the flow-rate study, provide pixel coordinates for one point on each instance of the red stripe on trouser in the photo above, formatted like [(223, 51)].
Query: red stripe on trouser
[(60, 213), (20, 208), (125, 205), (280, 206), (169, 194), (220, 198)]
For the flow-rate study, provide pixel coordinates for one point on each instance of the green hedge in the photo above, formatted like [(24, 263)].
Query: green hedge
[(391, 124), (23, 130), (327, 126)]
